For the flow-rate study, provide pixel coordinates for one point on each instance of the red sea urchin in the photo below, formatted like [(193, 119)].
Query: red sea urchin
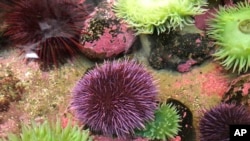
[(50, 28), (214, 125), (115, 98)]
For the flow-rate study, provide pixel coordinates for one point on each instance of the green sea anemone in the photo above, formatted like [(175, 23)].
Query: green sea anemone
[(164, 126), (147, 15), (50, 132), (231, 29)]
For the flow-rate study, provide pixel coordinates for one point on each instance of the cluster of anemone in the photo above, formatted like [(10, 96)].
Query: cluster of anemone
[(115, 98), (214, 125), (48, 28), (160, 15), (165, 125), (50, 132), (230, 28)]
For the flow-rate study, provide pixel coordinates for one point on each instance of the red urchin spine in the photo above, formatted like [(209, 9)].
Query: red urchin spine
[(51, 28)]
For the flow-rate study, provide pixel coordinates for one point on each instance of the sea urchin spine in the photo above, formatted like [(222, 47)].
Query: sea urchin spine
[(115, 98), (214, 125), (50, 28)]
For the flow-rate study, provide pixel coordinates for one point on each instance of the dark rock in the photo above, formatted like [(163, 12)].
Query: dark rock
[(178, 51), (4, 103), (238, 91), (93, 2), (187, 132)]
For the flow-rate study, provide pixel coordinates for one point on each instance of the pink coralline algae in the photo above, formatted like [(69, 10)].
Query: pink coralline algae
[(245, 89), (201, 20), (104, 36), (238, 91), (211, 82), (214, 83), (185, 67), (177, 138)]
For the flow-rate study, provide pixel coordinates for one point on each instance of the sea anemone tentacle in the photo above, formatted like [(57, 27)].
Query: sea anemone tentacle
[(230, 28), (164, 126), (160, 15), (50, 131)]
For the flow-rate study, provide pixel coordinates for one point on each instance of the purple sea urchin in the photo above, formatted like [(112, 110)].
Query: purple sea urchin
[(231, 29), (115, 98), (162, 15), (48, 27), (214, 125)]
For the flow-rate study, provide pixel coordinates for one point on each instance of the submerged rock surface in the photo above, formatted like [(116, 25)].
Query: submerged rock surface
[(104, 36), (178, 51)]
